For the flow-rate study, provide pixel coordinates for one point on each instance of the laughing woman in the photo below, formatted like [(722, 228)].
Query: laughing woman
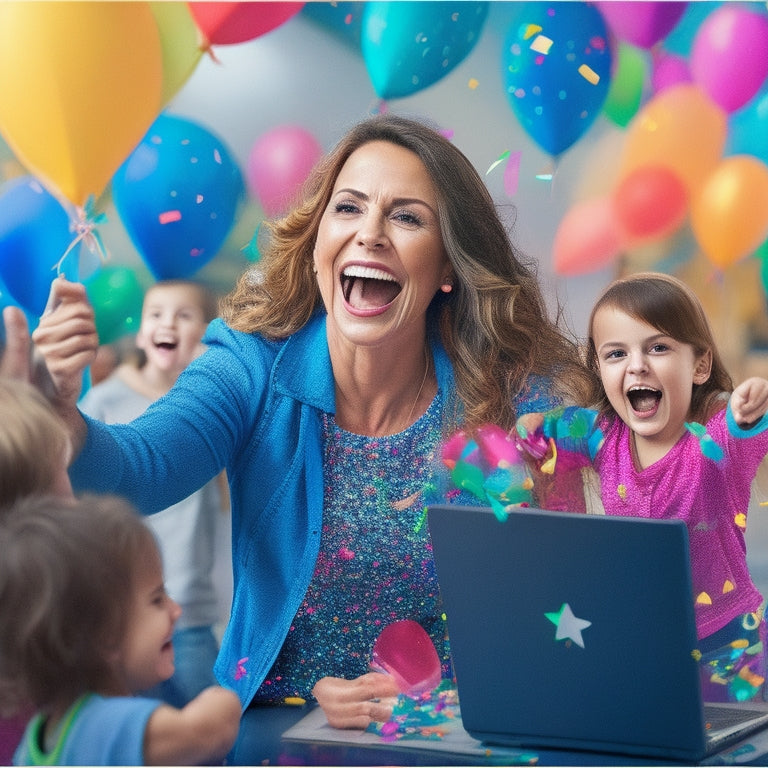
[(390, 308)]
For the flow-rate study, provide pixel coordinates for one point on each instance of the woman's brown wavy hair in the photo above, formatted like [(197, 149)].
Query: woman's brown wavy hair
[(494, 324)]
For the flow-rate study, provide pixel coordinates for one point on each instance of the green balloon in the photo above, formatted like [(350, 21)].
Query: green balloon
[(626, 89), (117, 296)]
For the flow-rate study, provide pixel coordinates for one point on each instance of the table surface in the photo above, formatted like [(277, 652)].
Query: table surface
[(312, 741)]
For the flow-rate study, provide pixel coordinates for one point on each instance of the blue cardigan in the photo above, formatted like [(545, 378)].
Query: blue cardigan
[(251, 406)]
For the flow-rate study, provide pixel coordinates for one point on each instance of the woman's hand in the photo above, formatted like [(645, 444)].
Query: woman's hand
[(67, 341), (357, 703)]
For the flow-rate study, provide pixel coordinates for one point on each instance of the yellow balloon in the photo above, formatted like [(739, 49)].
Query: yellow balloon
[(80, 84), (729, 216), (181, 44), (682, 129)]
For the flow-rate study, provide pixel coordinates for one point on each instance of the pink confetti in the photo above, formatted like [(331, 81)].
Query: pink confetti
[(241, 672), (512, 174), (167, 217)]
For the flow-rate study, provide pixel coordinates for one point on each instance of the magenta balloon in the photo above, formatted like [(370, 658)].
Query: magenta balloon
[(729, 57), (405, 651), (278, 164), (641, 23), (668, 69)]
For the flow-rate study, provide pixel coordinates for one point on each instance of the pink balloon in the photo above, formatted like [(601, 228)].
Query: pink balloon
[(668, 69), (641, 23), (405, 651), (588, 238), (278, 164), (729, 56), (223, 23)]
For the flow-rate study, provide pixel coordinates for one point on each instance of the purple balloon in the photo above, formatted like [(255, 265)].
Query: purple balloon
[(729, 58), (641, 23), (668, 69), (405, 651)]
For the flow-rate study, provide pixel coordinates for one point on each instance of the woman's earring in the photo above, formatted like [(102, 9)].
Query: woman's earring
[(446, 287)]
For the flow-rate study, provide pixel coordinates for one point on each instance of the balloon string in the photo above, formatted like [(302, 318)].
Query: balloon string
[(86, 228), (207, 48)]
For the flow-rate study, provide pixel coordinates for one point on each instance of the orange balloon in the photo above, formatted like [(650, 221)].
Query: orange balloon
[(588, 238), (682, 129), (729, 216)]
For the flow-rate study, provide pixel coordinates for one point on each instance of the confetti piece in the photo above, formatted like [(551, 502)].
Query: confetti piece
[(741, 520), (745, 673), (704, 599), (420, 522), (589, 74), (742, 642), (167, 217), (294, 701), (502, 157), (548, 467), (541, 44), (473, 83), (622, 491), (241, 672), (696, 654), (707, 445), (729, 586), (530, 30), (512, 174)]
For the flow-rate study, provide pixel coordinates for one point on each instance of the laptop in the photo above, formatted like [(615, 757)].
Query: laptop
[(577, 632)]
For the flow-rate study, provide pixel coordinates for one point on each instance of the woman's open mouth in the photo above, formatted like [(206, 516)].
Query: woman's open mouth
[(367, 288), (644, 400)]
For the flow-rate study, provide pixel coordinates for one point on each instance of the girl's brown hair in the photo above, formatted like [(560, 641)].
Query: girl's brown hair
[(66, 578), (673, 308)]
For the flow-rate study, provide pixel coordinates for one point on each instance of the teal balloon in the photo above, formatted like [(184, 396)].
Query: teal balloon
[(748, 128), (557, 70), (408, 46), (342, 19)]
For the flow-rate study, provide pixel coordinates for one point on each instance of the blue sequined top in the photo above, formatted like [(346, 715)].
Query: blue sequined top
[(375, 564)]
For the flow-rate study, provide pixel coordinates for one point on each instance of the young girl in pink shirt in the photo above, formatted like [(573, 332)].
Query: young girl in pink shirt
[(672, 438)]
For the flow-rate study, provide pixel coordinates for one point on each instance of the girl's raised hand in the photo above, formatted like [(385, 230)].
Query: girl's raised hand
[(749, 401)]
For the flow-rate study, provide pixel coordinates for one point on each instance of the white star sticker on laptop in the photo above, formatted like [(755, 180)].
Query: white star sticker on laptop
[(568, 625)]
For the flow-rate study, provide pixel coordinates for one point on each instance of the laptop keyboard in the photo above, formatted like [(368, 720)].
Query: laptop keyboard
[(717, 718)]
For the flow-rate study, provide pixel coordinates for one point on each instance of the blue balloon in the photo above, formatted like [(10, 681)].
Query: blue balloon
[(177, 195), (557, 68), (408, 46), (35, 234)]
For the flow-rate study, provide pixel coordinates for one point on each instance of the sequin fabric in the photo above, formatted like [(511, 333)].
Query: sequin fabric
[(375, 564)]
